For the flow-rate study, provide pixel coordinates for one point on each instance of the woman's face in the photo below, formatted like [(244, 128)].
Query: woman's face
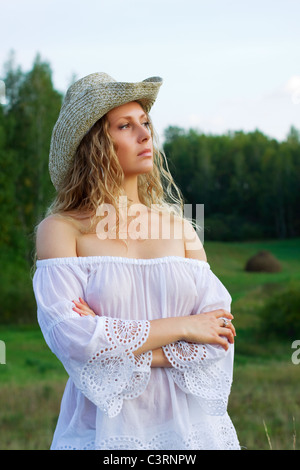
[(130, 131)]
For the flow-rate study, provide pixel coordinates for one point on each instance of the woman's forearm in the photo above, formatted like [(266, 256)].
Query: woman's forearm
[(159, 359), (204, 328), (162, 331)]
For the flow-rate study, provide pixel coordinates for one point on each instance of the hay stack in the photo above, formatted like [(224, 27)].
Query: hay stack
[(264, 262)]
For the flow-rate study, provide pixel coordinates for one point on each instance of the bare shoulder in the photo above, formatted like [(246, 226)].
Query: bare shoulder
[(193, 246), (56, 238)]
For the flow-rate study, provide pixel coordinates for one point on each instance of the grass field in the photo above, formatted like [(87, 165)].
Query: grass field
[(265, 400)]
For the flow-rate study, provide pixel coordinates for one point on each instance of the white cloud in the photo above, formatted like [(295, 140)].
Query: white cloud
[(211, 123), (292, 87)]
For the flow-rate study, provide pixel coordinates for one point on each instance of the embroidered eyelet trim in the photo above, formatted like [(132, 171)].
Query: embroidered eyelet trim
[(218, 434), (195, 374), (114, 373), (210, 385), (128, 333), (182, 354)]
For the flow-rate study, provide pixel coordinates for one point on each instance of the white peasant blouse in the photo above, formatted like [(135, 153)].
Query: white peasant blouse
[(113, 399)]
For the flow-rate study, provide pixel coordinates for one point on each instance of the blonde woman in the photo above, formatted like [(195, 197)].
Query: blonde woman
[(126, 298)]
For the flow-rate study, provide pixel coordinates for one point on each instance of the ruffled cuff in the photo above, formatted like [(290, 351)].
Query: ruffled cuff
[(182, 354), (114, 373), (203, 371)]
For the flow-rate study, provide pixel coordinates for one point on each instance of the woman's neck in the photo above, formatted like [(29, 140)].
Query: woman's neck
[(131, 189)]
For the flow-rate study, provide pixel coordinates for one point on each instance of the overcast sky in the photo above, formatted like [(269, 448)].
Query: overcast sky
[(226, 65)]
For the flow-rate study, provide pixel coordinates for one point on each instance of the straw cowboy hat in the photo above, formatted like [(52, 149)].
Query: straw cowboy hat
[(86, 101)]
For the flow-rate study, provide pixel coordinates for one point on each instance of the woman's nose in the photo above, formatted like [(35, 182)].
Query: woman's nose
[(144, 134)]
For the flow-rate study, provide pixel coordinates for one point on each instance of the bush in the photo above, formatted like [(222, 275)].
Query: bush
[(280, 316), (18, 302)]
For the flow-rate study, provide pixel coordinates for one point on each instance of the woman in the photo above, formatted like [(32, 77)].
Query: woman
[(139, 321)]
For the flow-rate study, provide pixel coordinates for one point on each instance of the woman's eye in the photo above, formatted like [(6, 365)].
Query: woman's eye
[(127, 125)]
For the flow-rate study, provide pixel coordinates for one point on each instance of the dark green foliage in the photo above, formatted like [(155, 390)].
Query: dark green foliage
[(249, 183), (26, 122), (280, 316)]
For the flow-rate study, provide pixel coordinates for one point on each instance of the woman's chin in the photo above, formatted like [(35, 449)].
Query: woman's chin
[(147, 167)]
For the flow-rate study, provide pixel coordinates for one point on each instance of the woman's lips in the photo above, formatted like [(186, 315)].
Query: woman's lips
[(145, 153)]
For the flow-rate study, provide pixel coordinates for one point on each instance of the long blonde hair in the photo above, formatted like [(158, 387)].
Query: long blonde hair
[(96, 178)]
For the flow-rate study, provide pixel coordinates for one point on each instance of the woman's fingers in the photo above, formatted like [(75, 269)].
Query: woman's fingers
[(223, 341), (222, 313), (82, 308), (228, 333), (226, 330), (227, 324)]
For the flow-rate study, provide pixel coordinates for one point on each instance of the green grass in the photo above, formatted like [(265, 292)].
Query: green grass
[(28, 358), (266, 383), (31, 387), (266, 392), (265, 389)]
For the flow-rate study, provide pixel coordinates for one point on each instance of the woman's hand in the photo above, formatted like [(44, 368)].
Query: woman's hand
[(213, 327), (82, 308)]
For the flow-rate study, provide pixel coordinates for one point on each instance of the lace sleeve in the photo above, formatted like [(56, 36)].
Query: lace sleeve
[(204, 370), (113, 373), (97, 352)]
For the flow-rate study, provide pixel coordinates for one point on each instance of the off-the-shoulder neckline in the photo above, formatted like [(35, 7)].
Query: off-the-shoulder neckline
[(85, 260)]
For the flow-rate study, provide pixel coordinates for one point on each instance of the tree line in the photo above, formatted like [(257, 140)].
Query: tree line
[(249, 183)]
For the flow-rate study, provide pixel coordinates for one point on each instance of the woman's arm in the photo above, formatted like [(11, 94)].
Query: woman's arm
[(205, 328), (159, 359)]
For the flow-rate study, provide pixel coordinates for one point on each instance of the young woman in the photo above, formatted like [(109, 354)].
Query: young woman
[(125, 296)]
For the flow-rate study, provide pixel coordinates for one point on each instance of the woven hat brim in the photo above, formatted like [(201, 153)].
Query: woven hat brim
[(78, 117)]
